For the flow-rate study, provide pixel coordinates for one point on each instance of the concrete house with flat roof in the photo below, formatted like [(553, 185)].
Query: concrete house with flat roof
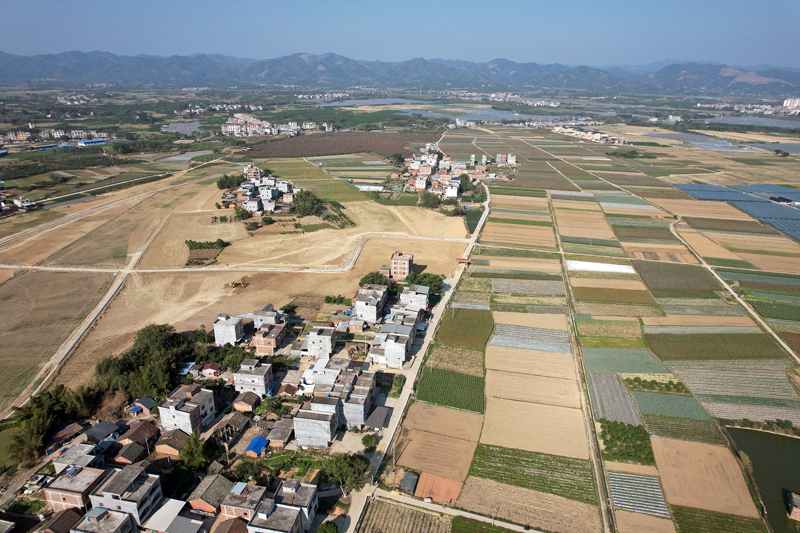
[(415, 296), (130, 490), (188, 408), (302, 496), (228, 330), (72, 488), (242, 501), (369, 302), (271, 518), (320, 342), (101, 520), (252, 376), (78, 455)]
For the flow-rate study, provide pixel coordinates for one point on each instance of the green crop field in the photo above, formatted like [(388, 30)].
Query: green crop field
[(673, 427), (671, 346), (655, 403), (741, 226), (512, 252), (675, 276), (563, 476), (466, 327), (451, 389), (780, 311), (592, 294), (517, 192), (461, 524), (472, 218), (624, 361), (690, 520)]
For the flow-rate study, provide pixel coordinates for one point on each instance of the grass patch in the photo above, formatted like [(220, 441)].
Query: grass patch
[(562, 476), (777, 310), (472, 284), (691, 520), (451, 389), (512, 252), (625, 296), (673, 346), (684, 293), (626, 442), (462, 524), (673, 427), (733, 263), (521, 222), (472, 218), (611, 342), (470, 328), (26, 507), (309, 228)]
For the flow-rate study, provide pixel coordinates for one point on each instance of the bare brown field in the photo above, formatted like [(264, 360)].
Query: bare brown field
[(513, 299), (521, 203), (584, 224), (530, 362), (535, 427), (387, 516), (532, 388), (674, 253), (702, 476), (473, 297), (623, 284), (698, 320), (437, 488), (521, 216), (738, 242), (437, 454), (774, 263), (538, 509), (705, 246), (444, 421), (520, 263), (531, 320), (39, 312), (7, 274), (632, 212), (698, 208), (629, 522), (429, 223), (631, 468), (458, 359), (594, 308), (518, 234), (609, 326), (573, 205)]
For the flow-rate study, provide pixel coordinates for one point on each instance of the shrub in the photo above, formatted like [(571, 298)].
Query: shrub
[(370, 442)]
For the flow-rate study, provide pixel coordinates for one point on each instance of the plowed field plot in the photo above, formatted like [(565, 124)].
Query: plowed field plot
[(585, 224), (741, 226), (736, 411), (691, 520), (444, 421), (531, 320), (562, 476), (763, 382), (530, 362), (529, 344), (532, 388), (466, 327), (674, 276), (535, 428), (457, 359), (472, 297), (439, 489), (729, 346), (702, 476), (628, 522), (594, 294), (698, 320), (698, 330), (608, 328), (475, 285), (611, 400), (622, 310), (437, 454), (654, 403), (632, 285), (706, 209), (341, 143), (534, 236), (672, 427), (516, 264), (638, 493), (539, 510), (451, 389), (388, 517), (521, 332), (521, 203), (549, 288), (623, 361)]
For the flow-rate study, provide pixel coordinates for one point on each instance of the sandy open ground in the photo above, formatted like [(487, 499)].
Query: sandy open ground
[(754, 243), (531, 320), (517, 234), (701, 208), (584, 224), (444, 421), (521, 203), (437, 488), (628, 522), (705, 246), (512, 263), (535, 427), (525, 506), (426, 222), (532, 388), (698, 320), (547, 364), (702, 476), (437, 454), (624, 284)]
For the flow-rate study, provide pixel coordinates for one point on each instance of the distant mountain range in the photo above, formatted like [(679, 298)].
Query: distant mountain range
[(335, 71)]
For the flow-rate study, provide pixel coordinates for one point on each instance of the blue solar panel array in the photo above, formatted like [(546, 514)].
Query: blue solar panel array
[(770, 191), (768, 210)]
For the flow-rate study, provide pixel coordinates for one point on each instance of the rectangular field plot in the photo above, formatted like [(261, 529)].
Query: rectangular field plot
[(444, 421), (595, 294), (756, 382), (387, 516), (702, 476), (531, 320), (544, 511), (622, 361), (763, 413), (638, 493), (691, 520), (590, 266), (712, 346), (439, 489), (654, 403), (690, 429), (535, 428), (675, 276), (530, 362), (437, 454), (451, 389), (532, 388), (534, 236), (457, 359), (530, 344), (611, 400), (466, 327), (562, 476), (523, 286), (629, 522)]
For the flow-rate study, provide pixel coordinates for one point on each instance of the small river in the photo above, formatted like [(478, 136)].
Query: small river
[(776, 469)]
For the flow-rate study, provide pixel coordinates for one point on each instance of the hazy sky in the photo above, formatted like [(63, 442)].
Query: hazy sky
[(589, 32)]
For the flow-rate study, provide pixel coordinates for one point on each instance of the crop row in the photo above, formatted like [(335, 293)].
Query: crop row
[(386, 517), (630, 361), (451, 389), (672, 427), (731, 346), (675, 276), (554, 288), (551, 335), (655, 403), (527, 344), (691, 520), (466, 327), (767, 382), (777, 310), (762, 413), (611, 400), (637, 493)]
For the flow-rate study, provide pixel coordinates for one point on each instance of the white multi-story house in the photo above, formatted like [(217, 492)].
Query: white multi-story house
[(130, 490), (321, 341), (415, 296), (369, 302), (228, 330), (188, 408)]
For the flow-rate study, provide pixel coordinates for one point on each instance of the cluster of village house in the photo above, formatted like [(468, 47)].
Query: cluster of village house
[(260, 193), (244, 125), (589, 135), (442, 175)]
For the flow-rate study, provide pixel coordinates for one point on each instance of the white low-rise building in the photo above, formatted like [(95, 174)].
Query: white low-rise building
[(228, 330)]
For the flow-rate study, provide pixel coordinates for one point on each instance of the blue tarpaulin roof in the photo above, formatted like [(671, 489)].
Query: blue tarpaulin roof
[(257, 445), (135, 409)]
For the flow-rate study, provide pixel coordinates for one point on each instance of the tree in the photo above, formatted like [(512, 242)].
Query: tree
[(193, 453), (241, 213), (369, 441), (347, 470), (229, 182), (428, 279), (429, 200), (251, 225), (373, 278), (328, 527), (306, 203), (397, 159), (288, 308)]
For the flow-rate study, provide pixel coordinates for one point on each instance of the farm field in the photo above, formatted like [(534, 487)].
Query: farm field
[(669, 346), (611, 400), (451, 389), (679, 428), (533, 236), (517, 287), (457, 359), (54, 302), (691, 520), (655, 403), (531, 320), (540, 510), (629, 522), (342, 143), (637, 492), (439, 489), (443, 421), (613, 360), (702, 476), (469, 328), (436, 454), (673, 276), (391, 517), (532, 388), (530, 362)]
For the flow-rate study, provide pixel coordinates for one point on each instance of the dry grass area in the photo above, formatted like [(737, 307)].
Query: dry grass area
[(705, 246), (531, 320), (546, 364), (437, 454), (698, 320), (457, 359), (535, 428), (532, 388), (570, 204), (524, 299), (624, 284), (439, 489), (429, 223), (39, 312), (628, 522), (702, 476), (520, 203), (585, 224), (524, 506), (444, 421), (701, 208), (537, 236), (673, 253), (631, 468)]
